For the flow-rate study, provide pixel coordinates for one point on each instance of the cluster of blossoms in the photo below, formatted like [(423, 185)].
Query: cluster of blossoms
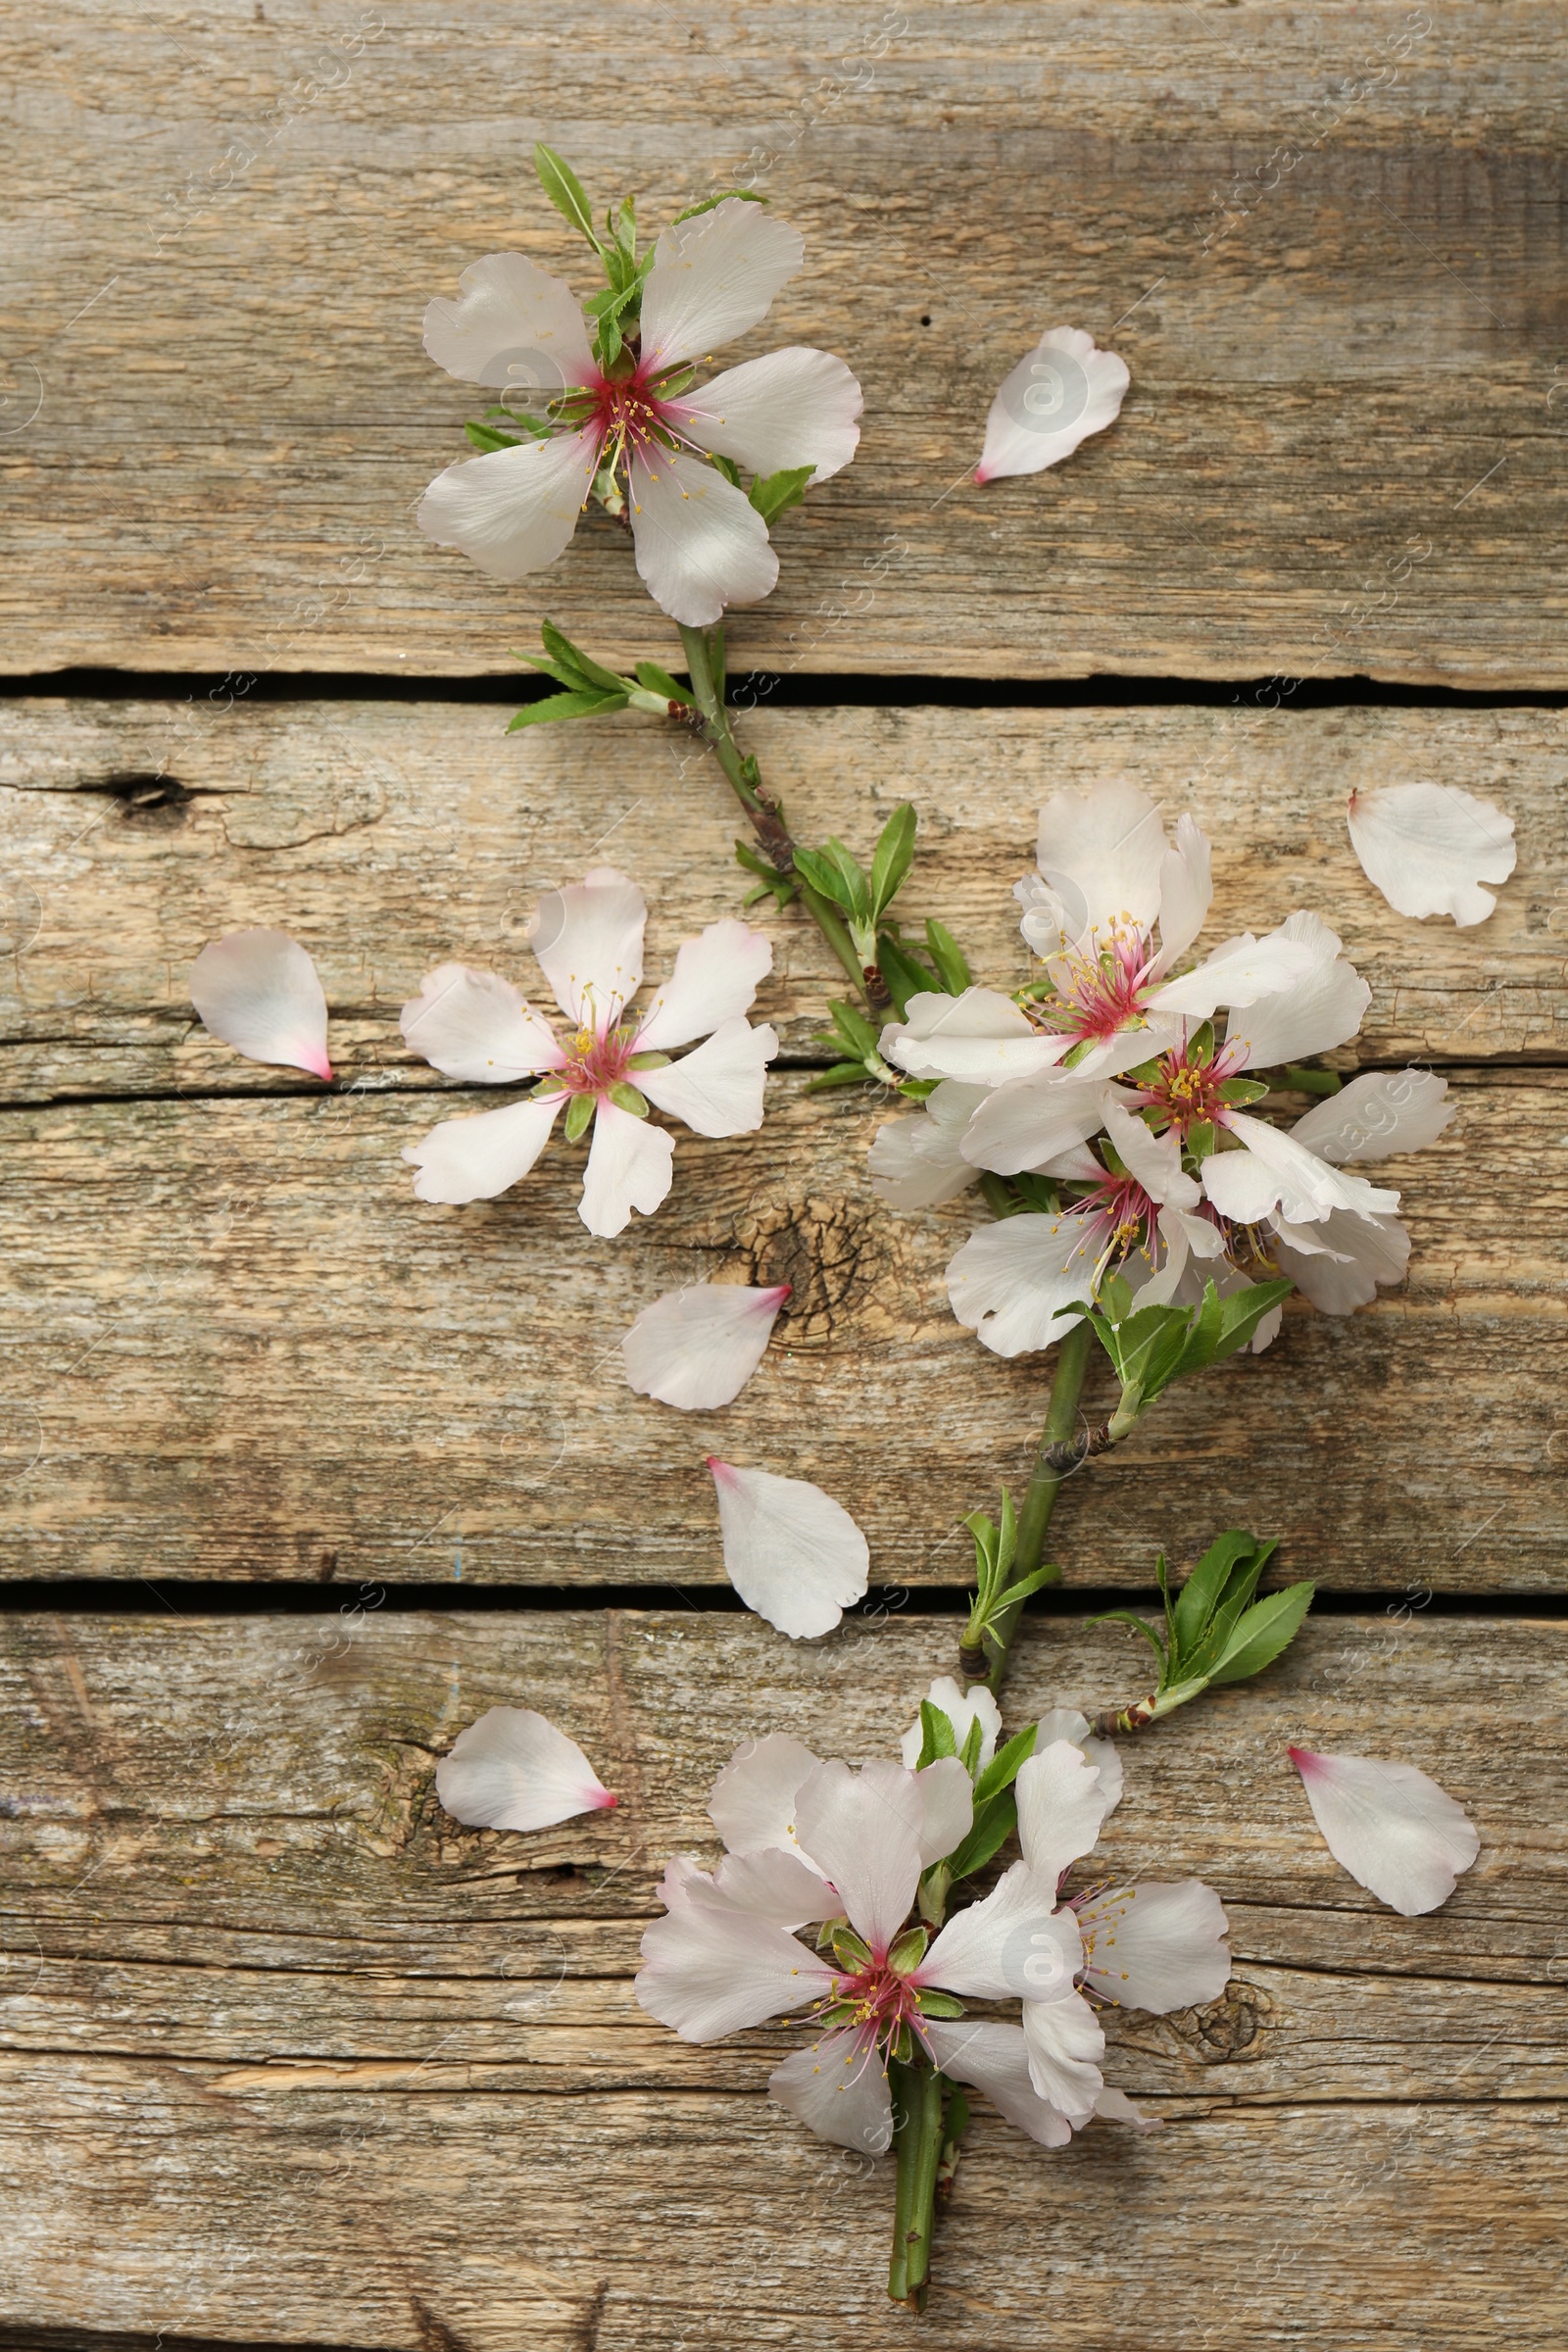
[(1107, 1092), (851, 1853)]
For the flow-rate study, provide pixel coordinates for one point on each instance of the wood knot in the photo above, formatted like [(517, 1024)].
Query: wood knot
[(1227, 2030), (833, 1255)]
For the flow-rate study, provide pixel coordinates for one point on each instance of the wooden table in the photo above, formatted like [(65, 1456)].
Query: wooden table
[(301, 1475)]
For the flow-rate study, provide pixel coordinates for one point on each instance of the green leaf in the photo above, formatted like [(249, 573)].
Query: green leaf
[(1244, 1311), (895, 854), (626, 1098), (905, 975), (974, 1740), (485, 437), (782, 887), (1049, 1574), (948, 958), (1312, 1081), (986, 1544), (587, 704), (746, 195), (856, 1031), (579, 1110), (1002, 1769), (1264, 1631), (842, 1073), (858, 901), (773, 494), (823, 877), (1126, 1617), (727, 466), (1200, 1595), (564, 190), (626, 228), (660, 681), (936, 1734), (558, 645), (994, 1824)]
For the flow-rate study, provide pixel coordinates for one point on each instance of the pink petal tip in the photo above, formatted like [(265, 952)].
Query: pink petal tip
[(605, 1802)]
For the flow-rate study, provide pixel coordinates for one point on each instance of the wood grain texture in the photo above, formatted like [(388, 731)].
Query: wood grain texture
[(392, 837), (280, 2038), (1327, 245)]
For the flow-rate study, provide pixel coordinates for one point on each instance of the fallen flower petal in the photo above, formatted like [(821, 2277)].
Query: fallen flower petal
[(1394, 1831), (792, 1552), (513, 1770), (1061, 393), (697, 1347), (1430, 847), (258, 990)]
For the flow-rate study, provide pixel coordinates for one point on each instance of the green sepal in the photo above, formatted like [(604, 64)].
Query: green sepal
[(948, 957), (848, 1951), (1260, 1636), (907, 1951), (626, 1098), (994, 1824), (1200, 1137), (937, 1737), (564, 190), (773, 494), (579, 1110), (1200, 1044), (939, 2004), (1003, 1767), (587, 704), (648, 1062), (1312, 1081), (893, 858), (1239, 1091)]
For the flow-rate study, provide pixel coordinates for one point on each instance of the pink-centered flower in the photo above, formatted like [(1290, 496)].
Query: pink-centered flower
[(812, 1844), (612, 1064), (640, 429)]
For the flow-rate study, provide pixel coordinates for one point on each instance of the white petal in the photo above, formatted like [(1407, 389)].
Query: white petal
[(718, 1089), (961, 1709), (474, 1158), (1012, 1282), (512, 510), (1061, 393), (1319, 1010), (513, 1770), (1382, 1112), (1238, 973), (1274, 1172), (715, 980), (779, 1886), (838, 2087), (588, 939), (258, 990), (1156, 1947), (697, 1347), (796, 407), (1354, 1255), (1185, 891), (792, 1552), (946, 1800), (713, 277), (864, 1835), (477, 1027), (512, 325), (711, 1970), (1103, 854), (1031, 1120), (1115, 2107), (1066, 2043), (995, 2059), (1393, 1828), (700, 543), (917, 1162), (981, 1037), (1062, 1803), (1066, 1723), (629, 1167), (1014, 1946), (753, 1804), (1155, 1159), (1430, 847)]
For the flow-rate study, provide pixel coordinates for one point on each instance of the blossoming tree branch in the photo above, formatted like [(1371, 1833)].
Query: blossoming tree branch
[(1158, 1155)]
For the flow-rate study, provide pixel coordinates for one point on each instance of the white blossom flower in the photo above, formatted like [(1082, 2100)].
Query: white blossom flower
[(515, 1769), (1061, 393), (1428, 848), (588, 939), (815, 1845), (1394, 1831), (792, 1552), (700, 543), (696, 1347), (258, 990)]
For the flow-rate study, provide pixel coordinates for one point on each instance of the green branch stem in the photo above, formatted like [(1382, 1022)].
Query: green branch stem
[(920, 2096), (1056, 1457), (705, 663)]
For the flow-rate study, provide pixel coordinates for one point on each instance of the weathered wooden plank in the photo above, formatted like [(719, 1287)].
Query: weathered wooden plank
[(1326, 245), (299, 2047), (235, 1345), (393, 837)]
